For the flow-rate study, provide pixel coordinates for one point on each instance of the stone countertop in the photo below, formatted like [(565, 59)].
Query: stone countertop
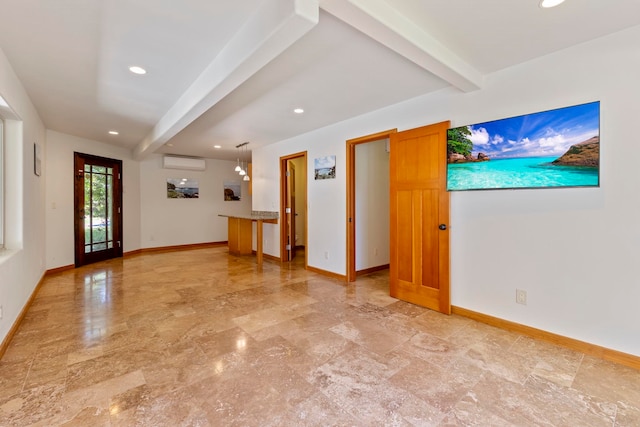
[(255, 215)]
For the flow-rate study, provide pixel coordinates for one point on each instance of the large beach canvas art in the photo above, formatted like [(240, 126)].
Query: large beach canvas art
[(549, 149)]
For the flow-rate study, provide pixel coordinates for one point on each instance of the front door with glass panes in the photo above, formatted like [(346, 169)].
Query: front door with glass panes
[(98, 208)]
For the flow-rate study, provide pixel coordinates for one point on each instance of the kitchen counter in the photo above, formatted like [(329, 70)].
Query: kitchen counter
[(266, 216), (241, 231)]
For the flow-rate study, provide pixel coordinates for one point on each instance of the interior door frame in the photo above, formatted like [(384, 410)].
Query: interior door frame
[(283, 204), (351, 196), (80, 258)]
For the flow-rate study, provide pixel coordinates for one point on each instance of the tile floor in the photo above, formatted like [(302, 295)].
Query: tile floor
[(201, 338)]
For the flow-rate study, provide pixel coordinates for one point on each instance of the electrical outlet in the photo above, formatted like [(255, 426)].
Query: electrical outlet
[(521, 296), (326, 254), (1, 312), (375, 251)]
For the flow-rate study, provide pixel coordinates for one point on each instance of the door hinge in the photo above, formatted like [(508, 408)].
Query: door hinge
[(119, 211), (287, 173), (119, 176), (118, 243), (288, 247), (287, 210)]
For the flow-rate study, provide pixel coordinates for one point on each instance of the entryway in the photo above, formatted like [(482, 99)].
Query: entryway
[(98, 208), (368, 204), (419, 215), (293, 206)]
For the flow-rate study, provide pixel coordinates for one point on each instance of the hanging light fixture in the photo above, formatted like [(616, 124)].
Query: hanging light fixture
[(238, 148), (240, 164)]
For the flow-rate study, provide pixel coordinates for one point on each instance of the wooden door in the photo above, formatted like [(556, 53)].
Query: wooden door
[(98, 208), (419, 265), (291, 210)]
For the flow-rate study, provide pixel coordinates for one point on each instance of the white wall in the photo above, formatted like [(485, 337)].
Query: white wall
[(326, 202), (169, 222), (23, 264), (372, 205), (573, 250), (59, 202)]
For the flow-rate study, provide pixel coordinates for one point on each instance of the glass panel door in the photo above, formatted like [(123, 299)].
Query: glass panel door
[(98, 208)]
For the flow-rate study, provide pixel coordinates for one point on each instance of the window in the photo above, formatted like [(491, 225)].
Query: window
[(11, 230)]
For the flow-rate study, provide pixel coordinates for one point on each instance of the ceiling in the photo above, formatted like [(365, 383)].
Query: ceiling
[(226, 72)]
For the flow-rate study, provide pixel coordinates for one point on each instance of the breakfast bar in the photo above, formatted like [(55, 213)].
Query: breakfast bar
[(240, 231)]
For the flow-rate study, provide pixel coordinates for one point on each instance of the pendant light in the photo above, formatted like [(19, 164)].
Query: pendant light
[(238, 166)]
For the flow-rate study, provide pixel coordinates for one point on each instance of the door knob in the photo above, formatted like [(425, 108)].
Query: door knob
[(442, 226)]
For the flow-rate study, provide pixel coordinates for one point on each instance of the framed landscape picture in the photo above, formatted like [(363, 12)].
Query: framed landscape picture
[(325, 167), (549, 149), (37, 159), (232, 191), (182, 188)]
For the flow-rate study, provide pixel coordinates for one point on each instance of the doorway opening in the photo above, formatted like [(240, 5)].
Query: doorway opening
[(98, 208), (293, 207), (366, 173)]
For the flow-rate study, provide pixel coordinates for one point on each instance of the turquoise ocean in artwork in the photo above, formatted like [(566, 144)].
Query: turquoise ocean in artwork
[(526, 172)]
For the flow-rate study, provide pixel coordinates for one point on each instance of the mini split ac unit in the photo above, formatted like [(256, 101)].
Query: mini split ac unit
[(185, 163)]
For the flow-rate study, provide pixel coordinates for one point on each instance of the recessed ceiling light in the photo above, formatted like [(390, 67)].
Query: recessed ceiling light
[(217, 146), (298, 111), (137, 70), (114, 132), (550, 3)]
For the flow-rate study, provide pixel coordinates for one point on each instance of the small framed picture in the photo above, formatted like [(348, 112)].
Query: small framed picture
[(325, 167), (37, 159), (232, 191)]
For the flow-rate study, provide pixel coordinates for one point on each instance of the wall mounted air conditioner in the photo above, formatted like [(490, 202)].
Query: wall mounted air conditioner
[(185, 163)]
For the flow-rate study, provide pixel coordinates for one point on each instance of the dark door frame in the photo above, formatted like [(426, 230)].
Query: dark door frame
[(80, 257)]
